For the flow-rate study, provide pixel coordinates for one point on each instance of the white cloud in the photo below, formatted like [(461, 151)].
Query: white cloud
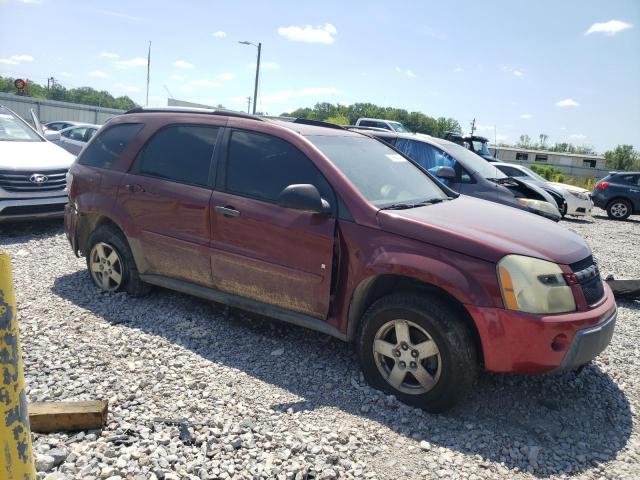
[(310, 34), (567, 102), (109, 55), (178, 78), (518, 73), (98, 73), (526, 115), (264, 66), (609, 28), (226, 76), (408, 73), (458, 69), (65, 74), (206, 83), (219, 34), (126, 88), (31, 2), (132, 63), (183, 64), (578, 136), (16, 59), (122, 15)]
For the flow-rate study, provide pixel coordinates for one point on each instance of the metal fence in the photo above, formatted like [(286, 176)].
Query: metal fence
[(569, 170), (52, 110)]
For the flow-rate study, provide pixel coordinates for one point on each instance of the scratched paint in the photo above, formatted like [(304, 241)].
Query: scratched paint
[(16, 458)]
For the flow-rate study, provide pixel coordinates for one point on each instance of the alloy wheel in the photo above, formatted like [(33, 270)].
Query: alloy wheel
[(407, 357), (618, 210), (105, 266)]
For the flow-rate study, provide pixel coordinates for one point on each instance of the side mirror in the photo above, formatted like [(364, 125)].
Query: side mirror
[(52, 136), (446, 173), (304, 197)]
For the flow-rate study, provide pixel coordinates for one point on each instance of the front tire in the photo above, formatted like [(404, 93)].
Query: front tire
[(417, 348), (619, 209), (110, 263)]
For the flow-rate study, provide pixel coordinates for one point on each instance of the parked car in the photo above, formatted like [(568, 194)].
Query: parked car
[(477, 144), (619, 194), (32, 171), (468, 173), (335, 231), (577, 200), (73, 139), (59, 125), (381, 123)]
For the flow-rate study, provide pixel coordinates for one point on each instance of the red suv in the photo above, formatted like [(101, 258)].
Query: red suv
[(338, 232)]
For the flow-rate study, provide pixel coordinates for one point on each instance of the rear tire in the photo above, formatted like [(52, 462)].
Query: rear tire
[(429, 359), (619, 209), (110, 263)]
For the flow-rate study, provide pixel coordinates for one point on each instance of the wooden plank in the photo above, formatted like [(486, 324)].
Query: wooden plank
[(47, 417)]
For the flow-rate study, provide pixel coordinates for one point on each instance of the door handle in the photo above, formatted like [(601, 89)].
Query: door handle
[(227, 211), (134, 188)]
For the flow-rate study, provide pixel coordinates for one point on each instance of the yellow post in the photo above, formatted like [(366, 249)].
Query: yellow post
[(16, 457)]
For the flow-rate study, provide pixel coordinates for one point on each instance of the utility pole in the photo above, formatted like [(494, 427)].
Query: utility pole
[(473, 126), (148, 71), (255, 90), (248, 104)]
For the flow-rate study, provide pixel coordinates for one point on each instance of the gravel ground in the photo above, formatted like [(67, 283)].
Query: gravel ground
[(269, 400)]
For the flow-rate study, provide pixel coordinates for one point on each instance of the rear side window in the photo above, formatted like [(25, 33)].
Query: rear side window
[(261, 166), (632, 179), (512, 172), (180, 153), (110, 143)]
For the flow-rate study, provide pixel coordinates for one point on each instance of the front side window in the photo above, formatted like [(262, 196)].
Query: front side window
[(511, 171), (261, 166), (75, 133), (381, 175), (179, 153), (427, 156), (110, 143)]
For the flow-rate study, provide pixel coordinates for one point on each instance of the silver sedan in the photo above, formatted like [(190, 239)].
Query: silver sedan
[(73, 139)]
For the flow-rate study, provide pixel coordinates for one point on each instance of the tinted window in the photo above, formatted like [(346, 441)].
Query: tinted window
[(180, 153), (367, 123), (382, 175), (512, 172), (261, 166), (632, 179), (110, 143), (75, 133)]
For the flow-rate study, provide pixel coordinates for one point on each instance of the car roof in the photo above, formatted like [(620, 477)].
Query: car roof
[(306, 129)]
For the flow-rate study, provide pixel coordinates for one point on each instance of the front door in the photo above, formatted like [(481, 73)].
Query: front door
[(260, 250), (166, 196)]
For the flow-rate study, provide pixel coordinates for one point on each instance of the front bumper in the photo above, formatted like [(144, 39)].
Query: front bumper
[(14, 209), (524, 343), (577, 207)]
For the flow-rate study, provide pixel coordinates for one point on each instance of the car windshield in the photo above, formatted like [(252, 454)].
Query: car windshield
[(383, 176), (531, 173), (398, 127), (481, 147), (472, 161), (14, 129)]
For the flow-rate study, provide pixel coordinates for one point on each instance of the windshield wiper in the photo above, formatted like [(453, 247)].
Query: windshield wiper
[(406, 206)]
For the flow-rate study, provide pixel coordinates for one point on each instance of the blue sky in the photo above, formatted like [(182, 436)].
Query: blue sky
[(569, 69)]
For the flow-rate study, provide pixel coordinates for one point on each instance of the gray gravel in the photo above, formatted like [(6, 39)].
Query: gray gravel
[(269, 400)]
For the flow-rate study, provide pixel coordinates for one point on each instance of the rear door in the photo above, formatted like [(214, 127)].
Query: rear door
[(633, 183), (260, 250), (166, 195)]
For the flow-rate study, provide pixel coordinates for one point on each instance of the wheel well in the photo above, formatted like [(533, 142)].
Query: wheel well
[(377, 287), (88, 223), (619, 198)]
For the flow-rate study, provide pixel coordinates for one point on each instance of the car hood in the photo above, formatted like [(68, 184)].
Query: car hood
[(33, 156), (569, 188), (486, 230)]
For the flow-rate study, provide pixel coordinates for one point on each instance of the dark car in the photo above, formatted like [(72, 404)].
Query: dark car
[(475, 143), (619, 194), (335, 231), (465, 172)]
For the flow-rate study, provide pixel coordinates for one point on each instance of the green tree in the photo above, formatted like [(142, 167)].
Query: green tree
[(623, 157), (524, 141), (337, 120)]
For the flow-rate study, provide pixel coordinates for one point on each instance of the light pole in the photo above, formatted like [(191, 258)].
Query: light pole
[(255, 91)]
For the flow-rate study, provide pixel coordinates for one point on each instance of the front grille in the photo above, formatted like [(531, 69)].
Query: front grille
[(21, 181), (32, 209), (592, 287)]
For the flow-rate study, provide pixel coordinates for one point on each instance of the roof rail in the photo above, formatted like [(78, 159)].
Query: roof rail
[(375, 129), (317, 123), (203, 111)]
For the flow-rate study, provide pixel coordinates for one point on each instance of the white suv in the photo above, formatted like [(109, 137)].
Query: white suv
[(32, 171), (391, 125)]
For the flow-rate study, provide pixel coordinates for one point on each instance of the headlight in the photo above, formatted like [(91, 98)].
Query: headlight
[(580, 195), (534, 286), (540, 206)]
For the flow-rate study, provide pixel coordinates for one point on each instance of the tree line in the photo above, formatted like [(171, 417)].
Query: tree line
[(82, 95), (349, 114)]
